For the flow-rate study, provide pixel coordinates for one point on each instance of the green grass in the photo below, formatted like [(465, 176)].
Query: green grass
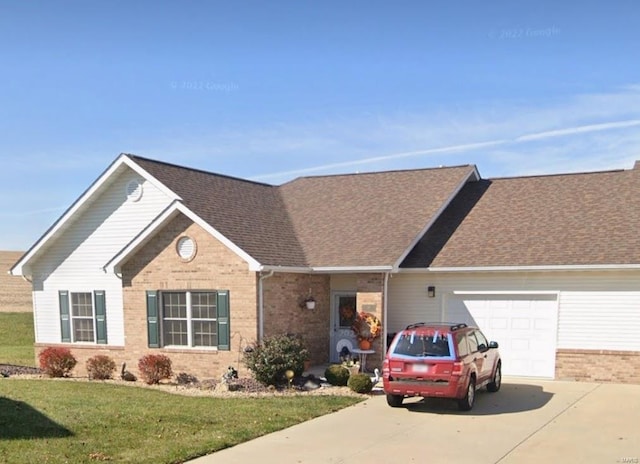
[(16, 339), (57, 421)]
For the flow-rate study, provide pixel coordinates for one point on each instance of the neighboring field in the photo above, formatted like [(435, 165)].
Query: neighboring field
[(16, 339), (60, 421)]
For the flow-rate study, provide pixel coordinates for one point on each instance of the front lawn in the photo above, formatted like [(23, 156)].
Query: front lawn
[(16, 339), (57, 421)]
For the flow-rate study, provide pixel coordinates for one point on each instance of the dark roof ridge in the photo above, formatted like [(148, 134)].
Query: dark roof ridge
[(201, 171), (560, 174)]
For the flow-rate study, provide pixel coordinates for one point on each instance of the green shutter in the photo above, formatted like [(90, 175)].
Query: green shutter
[(223, 320), (153, 326), (101, 317), (65, 323)]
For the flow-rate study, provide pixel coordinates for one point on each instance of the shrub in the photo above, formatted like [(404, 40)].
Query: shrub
[(186, 379), (100, 367), (270, 359), (154, 368), (360, 383), (337, 374), (57, 362)]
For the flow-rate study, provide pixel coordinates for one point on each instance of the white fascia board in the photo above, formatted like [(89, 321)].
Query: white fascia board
[(474, 175), (156, 183), (142, 238), (287, 269), (327, 270), (254, 265), (351, 269), (561, 267), (169, 213), (22, 266)]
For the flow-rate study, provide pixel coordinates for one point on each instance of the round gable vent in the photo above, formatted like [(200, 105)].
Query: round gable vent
[(186, 248), (134, 190)]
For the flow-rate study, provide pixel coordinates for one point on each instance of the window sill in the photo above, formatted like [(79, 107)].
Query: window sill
[(81, 346), (186, 349)]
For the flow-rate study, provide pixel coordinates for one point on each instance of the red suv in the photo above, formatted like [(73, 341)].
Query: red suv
[(443, 360)]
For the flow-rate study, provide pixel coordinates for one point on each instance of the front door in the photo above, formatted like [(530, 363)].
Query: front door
[(343, 314)]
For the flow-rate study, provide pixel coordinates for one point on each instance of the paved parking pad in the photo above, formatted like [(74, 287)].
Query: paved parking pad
[(527, 421)]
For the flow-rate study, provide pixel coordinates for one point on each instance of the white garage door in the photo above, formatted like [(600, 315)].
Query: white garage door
[(525, 327)]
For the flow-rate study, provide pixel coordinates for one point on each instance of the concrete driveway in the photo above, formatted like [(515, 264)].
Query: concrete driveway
[(526, 422)]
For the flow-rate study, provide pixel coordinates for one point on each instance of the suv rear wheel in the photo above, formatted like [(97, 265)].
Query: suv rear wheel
[(466, 403), (494, 386), (395, 401)]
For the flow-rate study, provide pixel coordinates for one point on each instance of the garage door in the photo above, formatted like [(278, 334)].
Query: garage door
[(525, 327)]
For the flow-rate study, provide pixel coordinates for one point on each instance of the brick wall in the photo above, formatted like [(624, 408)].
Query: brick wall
[(283, 295), (598, 366), (370, 299), (157, 266), (15, 292)]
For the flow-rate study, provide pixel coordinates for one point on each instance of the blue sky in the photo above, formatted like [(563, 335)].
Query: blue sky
[(272, 91)]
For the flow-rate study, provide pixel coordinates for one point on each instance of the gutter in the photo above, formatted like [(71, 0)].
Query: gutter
[(561, 267), (384, 314), (328, 269), (261, 304)]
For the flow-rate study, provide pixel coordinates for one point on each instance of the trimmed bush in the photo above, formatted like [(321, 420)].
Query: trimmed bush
[(100, 367), (57, 361), (270, 359), (360, 383), (154, 368), (186, 379), (337, 374)]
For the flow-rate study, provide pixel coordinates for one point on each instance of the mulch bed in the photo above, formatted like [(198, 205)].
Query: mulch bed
[(210, 387), (7, 370)]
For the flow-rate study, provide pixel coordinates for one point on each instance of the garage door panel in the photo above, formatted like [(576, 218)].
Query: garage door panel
[(525, 326)]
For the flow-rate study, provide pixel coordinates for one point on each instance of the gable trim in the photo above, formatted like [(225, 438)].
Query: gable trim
[(474, 175), (160, 221), (22, 266)]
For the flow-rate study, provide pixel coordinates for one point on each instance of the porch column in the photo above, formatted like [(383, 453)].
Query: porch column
[(370, 299)]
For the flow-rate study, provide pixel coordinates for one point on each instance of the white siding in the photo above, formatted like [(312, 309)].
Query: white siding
[(596, 309), (75, 260)]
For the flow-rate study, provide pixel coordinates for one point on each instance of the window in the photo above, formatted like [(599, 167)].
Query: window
[(473, 343), (463, 349), (197, 319), (422, 345), (482, 341), (82, 317)]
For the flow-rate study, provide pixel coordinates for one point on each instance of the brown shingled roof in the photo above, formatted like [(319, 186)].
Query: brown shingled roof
[(251, 214), (572, 219), (367, 219), (345, 220)]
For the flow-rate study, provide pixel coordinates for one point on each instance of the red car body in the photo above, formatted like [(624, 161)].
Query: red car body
[(445, 360)]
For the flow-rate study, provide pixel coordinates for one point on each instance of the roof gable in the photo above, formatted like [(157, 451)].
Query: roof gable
[(84, 201), (370, 219)]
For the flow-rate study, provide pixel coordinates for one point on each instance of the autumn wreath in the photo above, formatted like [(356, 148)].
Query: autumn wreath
[(366, 327)]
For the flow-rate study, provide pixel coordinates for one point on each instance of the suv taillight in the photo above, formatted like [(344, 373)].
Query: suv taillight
[(385, 367), (457, 369)]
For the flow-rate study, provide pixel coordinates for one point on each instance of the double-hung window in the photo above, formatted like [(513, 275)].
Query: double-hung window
[(198, 319), (82, 317)]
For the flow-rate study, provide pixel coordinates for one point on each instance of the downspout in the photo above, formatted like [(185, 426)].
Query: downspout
[(261, 304), (384, 314)]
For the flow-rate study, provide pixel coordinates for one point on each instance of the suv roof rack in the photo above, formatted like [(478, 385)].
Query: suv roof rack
[(453, 326)]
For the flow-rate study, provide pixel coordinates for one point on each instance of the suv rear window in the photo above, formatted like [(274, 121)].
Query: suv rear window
[(420, 345)]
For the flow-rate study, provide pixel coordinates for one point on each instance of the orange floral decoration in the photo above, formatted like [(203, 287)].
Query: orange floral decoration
[(367, 326)]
